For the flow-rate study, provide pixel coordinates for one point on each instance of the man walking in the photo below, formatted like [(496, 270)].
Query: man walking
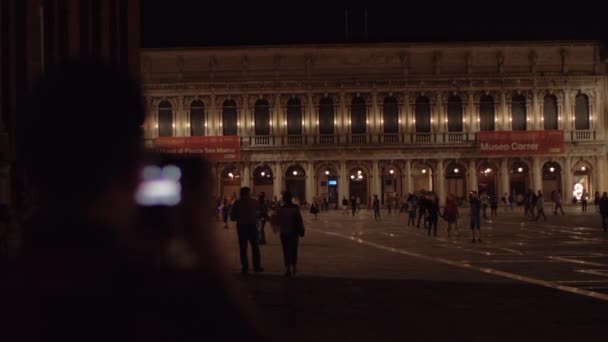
[(262, 217), (244, 212), (376, 205), (558, 202), (540, 207), (475, 213)]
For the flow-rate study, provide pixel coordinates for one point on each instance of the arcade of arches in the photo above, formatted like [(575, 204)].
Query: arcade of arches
[(392, 179)]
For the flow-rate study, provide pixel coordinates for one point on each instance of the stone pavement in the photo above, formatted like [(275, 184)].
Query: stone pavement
[(361, 280)]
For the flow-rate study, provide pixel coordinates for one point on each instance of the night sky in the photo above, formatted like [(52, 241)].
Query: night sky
[(203, 23)]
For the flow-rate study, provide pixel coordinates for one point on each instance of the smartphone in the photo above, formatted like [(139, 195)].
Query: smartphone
[(160, 185)]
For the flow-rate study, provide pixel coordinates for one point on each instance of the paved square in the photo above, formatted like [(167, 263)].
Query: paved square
[(361, 280)]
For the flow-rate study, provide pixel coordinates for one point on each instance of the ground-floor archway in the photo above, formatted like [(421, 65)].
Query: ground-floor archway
[(486, 178), (230, 182), (357, 184), (327, 184), (391, 186), (456, 180), (295, 183), (263, 181), (582, 180), (551, 179), (519, 180), (422, 177)]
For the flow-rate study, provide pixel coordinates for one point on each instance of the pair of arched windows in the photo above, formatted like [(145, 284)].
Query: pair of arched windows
[(165, 119)]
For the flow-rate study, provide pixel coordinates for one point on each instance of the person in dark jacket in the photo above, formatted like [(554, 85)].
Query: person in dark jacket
[(244, 212), (376, 206), (432, 214), (603, 204), (291, 228), (475, 215)]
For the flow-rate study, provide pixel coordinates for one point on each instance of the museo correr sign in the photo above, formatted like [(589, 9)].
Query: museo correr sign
[(520, 143)]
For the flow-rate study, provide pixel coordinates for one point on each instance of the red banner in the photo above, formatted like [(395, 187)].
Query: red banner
[(520, 143), (212, 148)]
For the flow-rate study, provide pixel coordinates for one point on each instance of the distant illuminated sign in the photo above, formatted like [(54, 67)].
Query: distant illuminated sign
[(332, 182)]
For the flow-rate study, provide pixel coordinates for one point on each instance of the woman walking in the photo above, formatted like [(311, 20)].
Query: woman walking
[(451, 215), (314, 208), (291, 229)]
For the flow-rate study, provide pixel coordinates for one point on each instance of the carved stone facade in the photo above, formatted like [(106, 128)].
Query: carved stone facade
[(351, 84)]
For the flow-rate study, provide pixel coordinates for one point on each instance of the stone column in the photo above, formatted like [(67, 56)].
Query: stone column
[(211, 125), (150, 122), (341, 128), (310, 182), (277, 184), (342, 181), (246, 175), (601, 171), (534, 114), (472, 176), (505, 124), (178, 117), (375, 122), (277, 117), (407, 178), (569, 180), (537, 181), (376, 186), (440, 181), (404, 121), (311, 121), (504, 176)]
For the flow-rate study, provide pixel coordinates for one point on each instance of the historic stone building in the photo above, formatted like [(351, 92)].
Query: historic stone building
[(356, 120)]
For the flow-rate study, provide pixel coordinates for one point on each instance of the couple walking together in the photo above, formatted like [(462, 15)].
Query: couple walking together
[(288, 219)]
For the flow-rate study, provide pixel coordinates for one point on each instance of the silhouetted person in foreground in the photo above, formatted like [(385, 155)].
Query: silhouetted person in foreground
[(88, 270), (603, 205), (291, 229), (245, 213)]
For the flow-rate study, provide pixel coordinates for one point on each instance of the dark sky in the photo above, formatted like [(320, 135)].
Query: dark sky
[(211, 23)]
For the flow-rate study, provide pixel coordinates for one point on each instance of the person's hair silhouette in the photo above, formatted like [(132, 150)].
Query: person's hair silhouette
[(81, 130)]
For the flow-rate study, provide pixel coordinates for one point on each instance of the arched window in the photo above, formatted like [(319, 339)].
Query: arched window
[(454, 114), (197, 118), (262, 117), (229, 118), (581, 112), (294, 117), (391, 115), (165, 119), (423, 115), (518, 113), (486, 113), (550, 112), (358, 116), (326, 116)]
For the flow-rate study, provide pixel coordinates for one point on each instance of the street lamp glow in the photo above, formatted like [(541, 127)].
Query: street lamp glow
[(520, 169), (295, 173), (551, 169), (391, 171), (583, 168), (263, 173), (352, 176), (327, 172), (359, 172), (456, 170), (230, 175), (360, 177), (423, 170)]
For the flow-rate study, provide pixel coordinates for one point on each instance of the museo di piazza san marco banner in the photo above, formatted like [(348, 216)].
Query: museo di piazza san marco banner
[(520, 143), (220, 148)]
